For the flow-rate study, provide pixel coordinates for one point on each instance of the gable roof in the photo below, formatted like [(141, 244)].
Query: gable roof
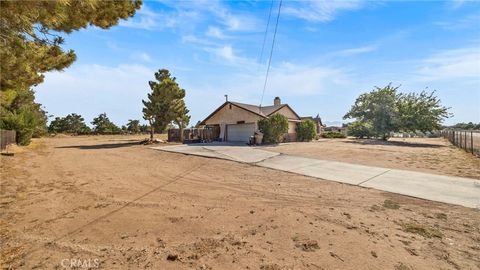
[(263, 111)]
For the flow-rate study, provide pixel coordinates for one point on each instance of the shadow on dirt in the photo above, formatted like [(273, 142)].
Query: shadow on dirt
[(393, 143), (101, 146)]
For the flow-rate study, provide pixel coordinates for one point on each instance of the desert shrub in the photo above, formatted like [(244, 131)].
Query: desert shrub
[(273, 128), (306, 130), (360, 129), (333, 135)]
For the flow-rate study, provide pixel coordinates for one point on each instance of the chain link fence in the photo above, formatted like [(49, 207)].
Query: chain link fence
[(469, 140), (7, 137)]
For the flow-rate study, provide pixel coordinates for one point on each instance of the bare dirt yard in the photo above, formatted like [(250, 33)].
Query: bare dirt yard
[(110, 203), (430, 155)]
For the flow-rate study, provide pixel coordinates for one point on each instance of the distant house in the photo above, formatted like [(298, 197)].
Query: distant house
[(238, 121)]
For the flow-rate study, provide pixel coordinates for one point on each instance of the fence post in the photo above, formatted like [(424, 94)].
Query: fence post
[(466, 141), (471, 140)]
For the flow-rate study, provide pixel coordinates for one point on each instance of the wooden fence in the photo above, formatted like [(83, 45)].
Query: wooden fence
[(194, 135), (469, 140), (7, 137)]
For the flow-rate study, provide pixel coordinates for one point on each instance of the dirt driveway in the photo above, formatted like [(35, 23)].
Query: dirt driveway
[(111, 203), (430, 155)]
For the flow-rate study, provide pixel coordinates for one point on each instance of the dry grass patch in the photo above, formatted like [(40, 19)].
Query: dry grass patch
[(422, 230), (391, 204)]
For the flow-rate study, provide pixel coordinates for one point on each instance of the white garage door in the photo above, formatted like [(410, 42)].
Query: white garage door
[(240, 132)]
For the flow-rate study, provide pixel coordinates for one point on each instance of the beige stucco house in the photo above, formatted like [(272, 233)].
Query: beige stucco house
[(239, 121)]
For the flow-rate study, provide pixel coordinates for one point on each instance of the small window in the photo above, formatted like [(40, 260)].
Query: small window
[(230, 105), (240, 122)]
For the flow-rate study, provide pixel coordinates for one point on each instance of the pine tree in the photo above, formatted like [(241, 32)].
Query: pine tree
[(31, 34), (165, 103)]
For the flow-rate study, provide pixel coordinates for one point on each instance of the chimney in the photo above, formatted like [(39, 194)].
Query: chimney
[(226, 98), (277, 102)]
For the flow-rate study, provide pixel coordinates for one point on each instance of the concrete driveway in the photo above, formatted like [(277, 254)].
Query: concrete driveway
[(447, 189)]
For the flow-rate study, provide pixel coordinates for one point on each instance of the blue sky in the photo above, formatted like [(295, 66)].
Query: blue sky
[(326, 54)]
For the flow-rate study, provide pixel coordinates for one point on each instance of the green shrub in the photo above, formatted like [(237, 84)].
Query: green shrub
[(333, 135), (306, 130), (72, 123), (273, 128), (360, 129), (24, 123)]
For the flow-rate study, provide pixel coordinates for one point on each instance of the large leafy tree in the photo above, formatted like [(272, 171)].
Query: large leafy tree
[(31, 34), (378, 108), (420, 112), (165, 103), (384, 110)]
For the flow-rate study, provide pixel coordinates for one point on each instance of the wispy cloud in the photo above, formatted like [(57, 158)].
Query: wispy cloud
[(141, 56), (215, 32), (469, 21), (355, 51), (320, 11), (226, 55), (451, 64)]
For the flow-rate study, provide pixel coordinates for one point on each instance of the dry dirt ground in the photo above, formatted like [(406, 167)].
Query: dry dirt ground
[(109, 203), (430, 155)]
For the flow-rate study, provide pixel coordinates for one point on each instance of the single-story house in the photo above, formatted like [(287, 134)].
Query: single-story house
[(238, 121)]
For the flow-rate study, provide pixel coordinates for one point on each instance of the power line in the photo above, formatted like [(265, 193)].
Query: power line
[(271, 53), (266, 32)]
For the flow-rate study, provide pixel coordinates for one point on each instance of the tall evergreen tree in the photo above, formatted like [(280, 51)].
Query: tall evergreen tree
[(165, 103), (133, 126), (103, 125)]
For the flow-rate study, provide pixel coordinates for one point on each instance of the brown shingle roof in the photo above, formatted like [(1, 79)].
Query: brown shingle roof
[(263, 111)]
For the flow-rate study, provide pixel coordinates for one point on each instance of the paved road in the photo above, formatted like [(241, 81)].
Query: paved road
[(447, 189)]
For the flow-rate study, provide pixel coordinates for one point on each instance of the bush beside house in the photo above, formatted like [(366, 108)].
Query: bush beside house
[(306, 130), (273, 128)]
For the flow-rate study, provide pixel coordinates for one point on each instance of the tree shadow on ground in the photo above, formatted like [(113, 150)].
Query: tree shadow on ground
[(101, 146), (393, 143)]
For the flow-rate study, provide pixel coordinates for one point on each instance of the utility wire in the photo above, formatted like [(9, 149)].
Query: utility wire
[(266, 32), (271, 53)]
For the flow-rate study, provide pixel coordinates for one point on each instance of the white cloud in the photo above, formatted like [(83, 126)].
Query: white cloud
[(149, 19), (451, 64), (145, 18), (215, 32), (226, 55), (141, 56), (354, 51), (320, 11), (469, 21), (286, 80)]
